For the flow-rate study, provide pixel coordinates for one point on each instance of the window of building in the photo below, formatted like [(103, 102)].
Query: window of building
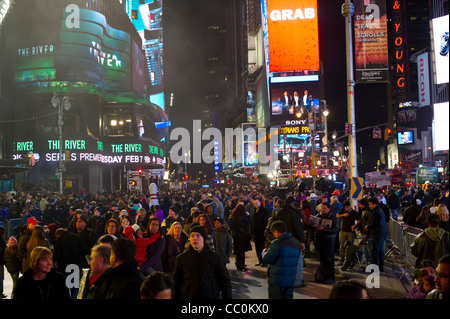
[(117, 123)]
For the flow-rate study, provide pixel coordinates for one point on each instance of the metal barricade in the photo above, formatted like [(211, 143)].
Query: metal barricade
[(395, 238), (10, 225), (410, 259)]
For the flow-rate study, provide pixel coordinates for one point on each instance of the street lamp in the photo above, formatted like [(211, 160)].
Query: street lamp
[(61, 105), (313, 109)]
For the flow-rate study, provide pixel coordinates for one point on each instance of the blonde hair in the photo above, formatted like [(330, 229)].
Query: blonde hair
[(172, 229), (442, 212), (37, 254)]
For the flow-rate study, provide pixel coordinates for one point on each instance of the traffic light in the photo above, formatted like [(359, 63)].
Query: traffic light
[(66, 156), (387, 134), (140, 172)]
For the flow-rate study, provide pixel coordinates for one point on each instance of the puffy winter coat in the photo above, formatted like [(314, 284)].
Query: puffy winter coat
[(282, 258)]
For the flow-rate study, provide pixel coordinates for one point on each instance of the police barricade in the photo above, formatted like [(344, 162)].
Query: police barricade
[(410, 234), (395, 238), (11, 224)]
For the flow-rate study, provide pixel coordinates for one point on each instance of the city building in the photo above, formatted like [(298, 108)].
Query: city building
[(83, 60)]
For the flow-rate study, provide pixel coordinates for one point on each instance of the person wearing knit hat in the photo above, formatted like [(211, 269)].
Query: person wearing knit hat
[(211, 282), (197, 234)]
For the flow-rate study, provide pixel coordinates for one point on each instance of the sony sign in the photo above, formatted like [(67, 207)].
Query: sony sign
[(423, 79), (278, 15)]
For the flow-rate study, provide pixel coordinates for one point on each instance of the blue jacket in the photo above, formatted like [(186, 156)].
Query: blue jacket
[(282, 258)]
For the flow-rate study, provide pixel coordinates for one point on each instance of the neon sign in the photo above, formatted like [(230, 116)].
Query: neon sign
[(400, 64)]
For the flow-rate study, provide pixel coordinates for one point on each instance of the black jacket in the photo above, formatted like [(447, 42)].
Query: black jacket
[(201, 275), (292, 220), (53, 287), (259, 223), (377, 225), (121, 282), (68, 250)]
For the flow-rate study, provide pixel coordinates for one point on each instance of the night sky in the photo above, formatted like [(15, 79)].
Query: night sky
[(183, 64)]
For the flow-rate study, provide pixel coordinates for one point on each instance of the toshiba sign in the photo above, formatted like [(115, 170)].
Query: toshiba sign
[(293, 34)]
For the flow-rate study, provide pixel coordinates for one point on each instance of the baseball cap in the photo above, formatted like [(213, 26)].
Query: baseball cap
[(32, 220)]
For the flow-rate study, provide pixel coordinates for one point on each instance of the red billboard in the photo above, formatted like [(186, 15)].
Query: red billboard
[(293, 33)]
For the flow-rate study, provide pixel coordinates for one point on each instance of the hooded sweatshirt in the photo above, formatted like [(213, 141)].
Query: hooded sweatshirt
[(432, 243)]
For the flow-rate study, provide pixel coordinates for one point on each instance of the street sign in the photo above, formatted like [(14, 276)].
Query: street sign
[(356, 188), (376, 133), (248, 172)]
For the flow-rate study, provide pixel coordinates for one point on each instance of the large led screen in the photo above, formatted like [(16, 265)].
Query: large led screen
[(288, 98), (293, 35), (440, 127), (371, 41), (93, 58), (440, 42)]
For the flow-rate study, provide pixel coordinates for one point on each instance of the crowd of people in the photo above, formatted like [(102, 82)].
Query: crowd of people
[(129, 246)]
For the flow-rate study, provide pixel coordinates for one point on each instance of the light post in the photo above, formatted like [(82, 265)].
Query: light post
[(61, 105), (313, 109)]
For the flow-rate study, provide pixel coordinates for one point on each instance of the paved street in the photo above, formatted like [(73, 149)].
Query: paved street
[(253, 283)]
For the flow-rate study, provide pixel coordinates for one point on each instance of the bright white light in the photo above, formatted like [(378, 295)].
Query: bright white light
[(113, 123)]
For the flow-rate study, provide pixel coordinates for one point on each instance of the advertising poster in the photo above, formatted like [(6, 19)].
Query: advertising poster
[(427, 174), (440, 42), (288, 98), (371, 41), (423, 76), (293, 35)]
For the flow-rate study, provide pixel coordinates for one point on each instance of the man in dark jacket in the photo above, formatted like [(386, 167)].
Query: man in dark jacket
[(378, 231), (258, 227), (68, 250), (326, 241), (393, 202), (123, 280), (200, 273), (291, 217), (411, 213)]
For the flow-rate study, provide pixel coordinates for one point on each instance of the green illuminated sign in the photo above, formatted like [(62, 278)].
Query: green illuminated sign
[(126, 148), (68, 145), (23, 146)]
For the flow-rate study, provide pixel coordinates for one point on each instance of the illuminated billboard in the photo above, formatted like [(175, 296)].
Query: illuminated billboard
[(92, 59), (441, 47), (441, 127), (288, 98), (371, 41), (147, 18), (293, 35)]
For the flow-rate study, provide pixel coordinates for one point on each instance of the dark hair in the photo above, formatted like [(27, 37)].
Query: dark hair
[(347, 289), (327, 204), (364, 202), (289, 200), (346, 203), (238, 212), (373, 200), (279, 226), (433, 220), (155, 283), (444, 259), (124, 249), (106, 239)]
